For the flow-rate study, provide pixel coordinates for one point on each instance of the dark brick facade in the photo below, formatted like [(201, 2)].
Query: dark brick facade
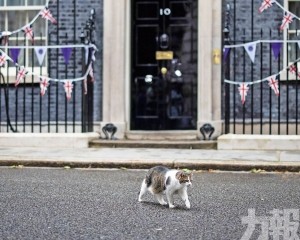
[(72, 15), (25, 104), (246, 24)]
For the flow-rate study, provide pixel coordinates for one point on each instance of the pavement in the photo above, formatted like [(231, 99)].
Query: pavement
[(144, 158)]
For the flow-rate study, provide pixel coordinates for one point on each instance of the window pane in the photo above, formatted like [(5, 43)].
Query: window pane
[(1, 2), (294, 7), (294, 32), (2, 20), (15, 3), (36, 2), (39, 26), (16, 20)]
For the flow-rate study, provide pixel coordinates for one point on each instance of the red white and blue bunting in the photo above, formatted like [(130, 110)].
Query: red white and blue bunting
[(288, 16), (250, 47), (40, 52), (45, 81), (44, 13), (272, 81), (276, 45)]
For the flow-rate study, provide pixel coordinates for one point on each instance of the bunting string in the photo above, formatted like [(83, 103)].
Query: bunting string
[(44, 13), (52, 46), (269, 3), (250, 48), (288, 16), (289, 67), (261, 41), (272, 81), (40, 53), (5, 58)]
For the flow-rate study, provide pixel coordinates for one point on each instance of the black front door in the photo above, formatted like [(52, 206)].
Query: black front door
[(164, 64)]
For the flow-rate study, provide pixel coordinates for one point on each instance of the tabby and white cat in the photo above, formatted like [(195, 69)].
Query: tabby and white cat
[(160, 180)]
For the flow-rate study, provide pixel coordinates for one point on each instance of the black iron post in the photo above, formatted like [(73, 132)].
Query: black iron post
[(226, 65), (88, 37), (83, 99)]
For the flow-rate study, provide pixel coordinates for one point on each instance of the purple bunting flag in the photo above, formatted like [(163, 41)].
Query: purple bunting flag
[(67, 52), (15, 54), (225, 53), (276, 47)]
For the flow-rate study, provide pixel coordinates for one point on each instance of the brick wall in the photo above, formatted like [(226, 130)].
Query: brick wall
[(72, 15), (25, 103), (247, 24)]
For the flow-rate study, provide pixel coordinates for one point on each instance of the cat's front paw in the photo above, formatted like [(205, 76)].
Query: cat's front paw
[(163, 203), (188, 205), (171, 206), (140, 200)]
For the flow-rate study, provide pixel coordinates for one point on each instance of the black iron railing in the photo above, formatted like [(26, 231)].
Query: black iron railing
[(23, 109), (263, 111)]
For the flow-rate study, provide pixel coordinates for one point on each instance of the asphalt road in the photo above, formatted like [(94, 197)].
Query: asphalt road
[(102, 204)]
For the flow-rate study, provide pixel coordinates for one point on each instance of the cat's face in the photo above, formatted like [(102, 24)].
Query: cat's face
[(185, 178)]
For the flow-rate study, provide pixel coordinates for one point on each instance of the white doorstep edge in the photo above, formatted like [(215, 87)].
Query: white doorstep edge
[(259, 142), (47, 140)]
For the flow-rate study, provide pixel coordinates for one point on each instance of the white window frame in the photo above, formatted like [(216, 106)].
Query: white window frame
[(11, 71), (287, 75)]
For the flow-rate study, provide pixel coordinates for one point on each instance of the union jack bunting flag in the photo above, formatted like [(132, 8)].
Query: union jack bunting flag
[(85, 86), (21, 74), (91, 73), (273, 83), (44, 84), (68, 89), (243, 89), (28, 32), (46, 14), (293, 69), (287, 19), (2, 60), (265, 5)]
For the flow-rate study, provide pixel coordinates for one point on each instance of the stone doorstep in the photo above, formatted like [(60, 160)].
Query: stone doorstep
[(259, 142), (85, 140), (47, 140), (176, 144)]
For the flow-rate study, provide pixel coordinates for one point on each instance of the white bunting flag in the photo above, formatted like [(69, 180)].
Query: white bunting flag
[(86, 54), (251, 49), (40, 53)]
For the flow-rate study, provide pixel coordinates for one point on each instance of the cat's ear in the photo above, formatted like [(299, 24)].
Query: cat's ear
[(179, 174), (182, 175)]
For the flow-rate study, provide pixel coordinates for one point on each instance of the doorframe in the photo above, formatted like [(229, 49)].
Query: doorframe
[(116, 68)]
